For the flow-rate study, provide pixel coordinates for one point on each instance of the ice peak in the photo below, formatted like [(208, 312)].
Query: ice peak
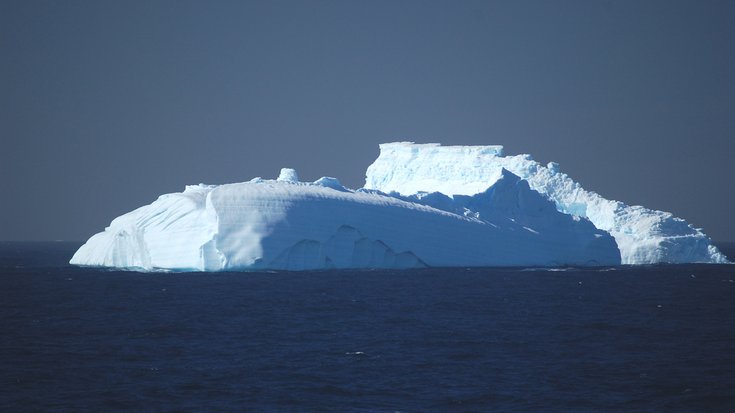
[(329, 182), (288, 175)]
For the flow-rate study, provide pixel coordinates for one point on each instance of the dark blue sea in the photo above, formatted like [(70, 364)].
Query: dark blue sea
[(624, 339)]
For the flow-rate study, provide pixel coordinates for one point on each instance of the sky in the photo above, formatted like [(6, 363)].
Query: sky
[(105, 105)]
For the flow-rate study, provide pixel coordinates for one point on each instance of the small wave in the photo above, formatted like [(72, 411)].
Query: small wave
[(547, 269)]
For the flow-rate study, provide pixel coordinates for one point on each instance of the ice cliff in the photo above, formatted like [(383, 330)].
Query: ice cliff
[(287, 224), (644, 236)]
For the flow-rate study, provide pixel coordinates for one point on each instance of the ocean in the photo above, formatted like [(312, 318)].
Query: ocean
[(612, 339)]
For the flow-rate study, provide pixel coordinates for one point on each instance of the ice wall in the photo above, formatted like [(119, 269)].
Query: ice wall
[(644, 236)]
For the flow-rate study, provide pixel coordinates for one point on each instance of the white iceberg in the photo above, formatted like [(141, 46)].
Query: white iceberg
[(422, 205), (644, 236), (286, 224)]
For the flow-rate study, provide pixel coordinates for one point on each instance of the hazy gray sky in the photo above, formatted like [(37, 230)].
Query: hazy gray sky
[(104, 105)]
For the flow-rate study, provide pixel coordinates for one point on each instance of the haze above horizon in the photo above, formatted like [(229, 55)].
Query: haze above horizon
[(106, 105)]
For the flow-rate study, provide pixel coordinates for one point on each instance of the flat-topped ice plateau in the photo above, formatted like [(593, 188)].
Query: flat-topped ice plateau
[(423, 205)]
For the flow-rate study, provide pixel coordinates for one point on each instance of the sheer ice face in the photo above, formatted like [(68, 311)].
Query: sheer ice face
[(644, 236), (286, 224)]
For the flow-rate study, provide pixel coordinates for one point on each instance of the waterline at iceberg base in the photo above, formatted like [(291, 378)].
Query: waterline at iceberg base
[(423, 205)]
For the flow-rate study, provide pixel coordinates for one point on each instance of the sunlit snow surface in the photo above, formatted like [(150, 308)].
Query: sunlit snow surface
[(644, 236)]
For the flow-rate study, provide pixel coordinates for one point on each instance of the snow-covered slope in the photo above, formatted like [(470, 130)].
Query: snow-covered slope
[(286, 224), (644, 236)]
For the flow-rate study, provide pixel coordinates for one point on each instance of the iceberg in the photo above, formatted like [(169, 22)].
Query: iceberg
[(644, 236), (423, 205), (285, 224)]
